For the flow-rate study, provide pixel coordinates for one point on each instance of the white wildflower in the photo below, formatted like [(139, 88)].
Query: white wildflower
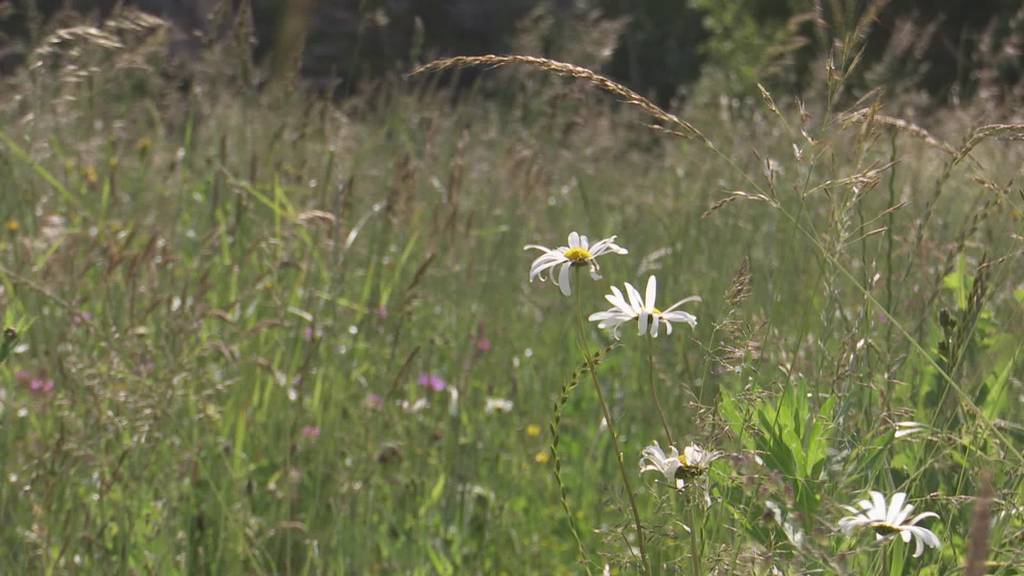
[(785, 521), (498, 405), (579, 252), (890, 520), (632, 307), (414, 407), (676, 467)]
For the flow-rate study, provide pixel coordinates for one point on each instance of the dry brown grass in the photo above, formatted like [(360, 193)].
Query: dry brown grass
[(868, 115), (977, 539), (982, 133), (669, 122)]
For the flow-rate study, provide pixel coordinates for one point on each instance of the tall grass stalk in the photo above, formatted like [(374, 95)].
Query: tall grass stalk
[(556, 457)]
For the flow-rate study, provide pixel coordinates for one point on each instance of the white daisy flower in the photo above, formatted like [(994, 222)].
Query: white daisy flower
[(887, 521), (785, 521), (626, 309), (579, 252), (676, 467), (414, 407), (498, 405)]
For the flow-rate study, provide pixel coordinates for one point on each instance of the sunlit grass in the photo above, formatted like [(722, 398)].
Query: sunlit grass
[(264, 317)]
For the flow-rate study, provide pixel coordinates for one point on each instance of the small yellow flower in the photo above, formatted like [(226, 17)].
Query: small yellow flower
[(542, 457), (90, 174), (13, 225), (144, 144), (533, 430)]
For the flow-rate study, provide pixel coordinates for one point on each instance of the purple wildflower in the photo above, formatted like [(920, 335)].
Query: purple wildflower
[(41, 386), (432, 381), (373, 401), (483, 344), (36, 384)]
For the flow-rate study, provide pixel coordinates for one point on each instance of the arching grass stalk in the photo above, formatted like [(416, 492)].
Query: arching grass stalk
[(654, 391), (582, 334)]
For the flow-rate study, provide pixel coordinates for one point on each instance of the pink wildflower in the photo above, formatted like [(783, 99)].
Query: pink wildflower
[(432, 381), (41, 386), (373, 401), (483, 344)]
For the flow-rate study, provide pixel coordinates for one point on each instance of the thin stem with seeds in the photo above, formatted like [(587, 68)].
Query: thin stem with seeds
[(563, 492)]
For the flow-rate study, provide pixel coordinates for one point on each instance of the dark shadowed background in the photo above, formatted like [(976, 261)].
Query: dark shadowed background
[(949, 50)]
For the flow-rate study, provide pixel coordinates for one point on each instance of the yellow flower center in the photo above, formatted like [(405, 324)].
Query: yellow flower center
[(657, 312), (686, 470), (886, 529), (577, 255)]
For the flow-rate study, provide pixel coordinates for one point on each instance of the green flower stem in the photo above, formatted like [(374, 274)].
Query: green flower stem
[(654, 390), (608, 419), (694, 544)]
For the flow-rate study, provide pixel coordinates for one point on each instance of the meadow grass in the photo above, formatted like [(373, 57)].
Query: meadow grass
[(257, 331)]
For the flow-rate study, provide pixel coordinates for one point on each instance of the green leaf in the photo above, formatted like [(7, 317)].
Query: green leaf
[(434, 497), (959, 282), (996, 397), (441, 564), (730, 412)]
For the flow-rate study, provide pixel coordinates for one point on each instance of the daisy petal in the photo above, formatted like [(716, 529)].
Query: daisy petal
[(895, 507), (686, 300), (563, 279), (652, 292), (922, 516), (878, 510), (634, 298)]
